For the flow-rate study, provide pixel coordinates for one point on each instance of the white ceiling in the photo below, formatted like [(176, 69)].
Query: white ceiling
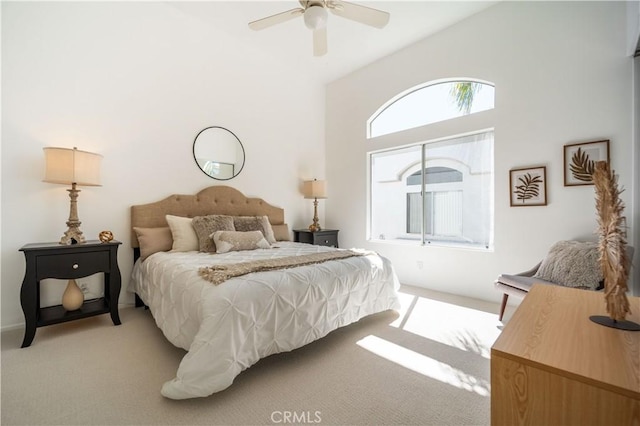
[(351, 45)]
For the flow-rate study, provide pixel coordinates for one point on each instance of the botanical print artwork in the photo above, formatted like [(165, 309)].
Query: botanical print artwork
[(581, 166), (580, 160), (528, 186)]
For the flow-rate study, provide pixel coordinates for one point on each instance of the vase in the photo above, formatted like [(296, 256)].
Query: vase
[(73, 298)]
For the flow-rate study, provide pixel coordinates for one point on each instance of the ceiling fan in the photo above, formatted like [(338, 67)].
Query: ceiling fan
[(314, 13)]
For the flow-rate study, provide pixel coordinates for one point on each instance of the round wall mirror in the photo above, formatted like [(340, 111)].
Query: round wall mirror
[(218, 153)]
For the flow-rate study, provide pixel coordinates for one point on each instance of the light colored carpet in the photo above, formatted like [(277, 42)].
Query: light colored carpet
[(426, 365)]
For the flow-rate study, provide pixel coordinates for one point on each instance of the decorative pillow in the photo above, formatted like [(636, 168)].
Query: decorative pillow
[(184, 236), (255, 223), (227, 241), (207, 225), (153, 240), (281, 232), (572, 264)]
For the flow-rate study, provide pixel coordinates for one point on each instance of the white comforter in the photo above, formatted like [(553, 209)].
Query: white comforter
[(229, 327)]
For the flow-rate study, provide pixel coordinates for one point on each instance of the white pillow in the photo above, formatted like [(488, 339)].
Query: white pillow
[(184, 236), (227, 241)]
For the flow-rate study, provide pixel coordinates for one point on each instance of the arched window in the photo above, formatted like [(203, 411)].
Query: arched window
[(438, 191), (430, 103)]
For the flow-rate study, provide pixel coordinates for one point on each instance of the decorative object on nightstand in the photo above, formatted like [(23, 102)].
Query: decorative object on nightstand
[(72, 167), (52, 260), (314, 189), (72, 298), (325, 237), (105, 236)]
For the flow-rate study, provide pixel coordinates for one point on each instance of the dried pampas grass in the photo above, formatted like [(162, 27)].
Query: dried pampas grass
[(612, 243)]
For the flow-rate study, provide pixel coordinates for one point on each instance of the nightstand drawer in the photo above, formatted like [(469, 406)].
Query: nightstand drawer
[(72, 265), (330, 240)]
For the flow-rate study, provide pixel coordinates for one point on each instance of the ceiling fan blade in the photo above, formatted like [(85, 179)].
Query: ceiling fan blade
[(320, 41), (363, 14), (278, 18)]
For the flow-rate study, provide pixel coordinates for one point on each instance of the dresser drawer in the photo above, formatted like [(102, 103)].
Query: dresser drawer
[(72, 265)]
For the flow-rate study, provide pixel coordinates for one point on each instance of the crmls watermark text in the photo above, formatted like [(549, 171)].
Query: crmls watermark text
[(296, 417)]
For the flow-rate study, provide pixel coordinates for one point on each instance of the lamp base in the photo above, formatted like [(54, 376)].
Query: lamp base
[(315, 226), (73, 235), (620, 325)]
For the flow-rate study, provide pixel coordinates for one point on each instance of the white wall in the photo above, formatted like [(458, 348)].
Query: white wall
[(135, 82), (562, 75), (635, 237), (633, 26)]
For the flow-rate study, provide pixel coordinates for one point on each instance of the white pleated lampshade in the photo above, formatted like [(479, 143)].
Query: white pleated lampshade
[(315, 189), (67, 166)]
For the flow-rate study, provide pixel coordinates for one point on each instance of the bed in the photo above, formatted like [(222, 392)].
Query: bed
[(228, 324)]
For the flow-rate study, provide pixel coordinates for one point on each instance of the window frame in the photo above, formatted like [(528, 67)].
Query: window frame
[(423, 240)]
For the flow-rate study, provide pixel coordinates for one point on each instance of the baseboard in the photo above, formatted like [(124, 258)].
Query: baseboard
[(20, 325), (11, 327)]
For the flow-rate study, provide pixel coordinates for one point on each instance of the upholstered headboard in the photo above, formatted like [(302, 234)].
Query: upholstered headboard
[(212, 200)]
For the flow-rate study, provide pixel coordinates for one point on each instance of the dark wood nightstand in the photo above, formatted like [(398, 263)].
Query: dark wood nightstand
[(53, 260), (325, 237)]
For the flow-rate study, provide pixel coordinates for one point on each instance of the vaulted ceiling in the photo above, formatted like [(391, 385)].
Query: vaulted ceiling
[(351, 44)]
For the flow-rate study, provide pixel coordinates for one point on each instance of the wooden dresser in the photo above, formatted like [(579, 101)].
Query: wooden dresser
[(553, 366)]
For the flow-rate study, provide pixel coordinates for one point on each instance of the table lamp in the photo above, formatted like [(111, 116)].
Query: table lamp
[(74, 167), (314, 189)]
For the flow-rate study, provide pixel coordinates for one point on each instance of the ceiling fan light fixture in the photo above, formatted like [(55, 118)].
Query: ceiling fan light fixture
[(314, 13), (315, 17)]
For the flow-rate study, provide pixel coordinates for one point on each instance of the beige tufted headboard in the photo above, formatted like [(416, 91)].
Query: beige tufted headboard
[(212, 200)]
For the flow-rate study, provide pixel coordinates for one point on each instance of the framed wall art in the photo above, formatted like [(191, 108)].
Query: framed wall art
[(528, 186), (580, 160)]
